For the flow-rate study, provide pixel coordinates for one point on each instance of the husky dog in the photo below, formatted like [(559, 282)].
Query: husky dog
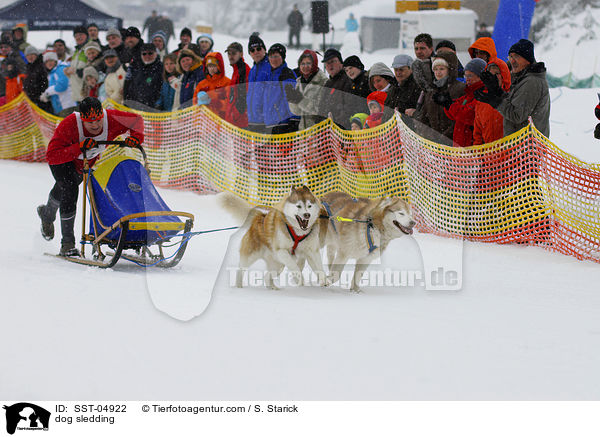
[(372, 225), (286, 235)]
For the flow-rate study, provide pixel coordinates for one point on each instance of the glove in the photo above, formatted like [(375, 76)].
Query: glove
[(491, 83), (88, 144), (44, 97), (293, 95), (493, 101), (132, 142), (597, 132), (443, 99), (203, 98)]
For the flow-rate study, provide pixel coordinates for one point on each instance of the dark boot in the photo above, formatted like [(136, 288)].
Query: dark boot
[(67, 226), (47, 214)]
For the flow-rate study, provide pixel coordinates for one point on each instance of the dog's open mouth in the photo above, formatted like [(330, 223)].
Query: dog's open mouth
[(303, 223), (405, 229)]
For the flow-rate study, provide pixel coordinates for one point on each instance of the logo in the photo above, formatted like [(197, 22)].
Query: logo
[(26, 417), (134, 187)]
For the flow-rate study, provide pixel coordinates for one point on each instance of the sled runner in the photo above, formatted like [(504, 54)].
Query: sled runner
[(128, 218)]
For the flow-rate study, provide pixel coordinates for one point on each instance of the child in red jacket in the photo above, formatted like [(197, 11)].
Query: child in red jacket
[(375, 103)]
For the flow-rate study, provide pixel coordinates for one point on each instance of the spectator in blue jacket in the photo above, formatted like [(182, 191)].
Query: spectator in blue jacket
[(58, 91), (171, 86), (258, 76), (190, 66), (278, 117)]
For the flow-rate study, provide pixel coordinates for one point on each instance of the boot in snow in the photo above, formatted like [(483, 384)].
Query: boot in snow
[(47, 227), (68, 249)]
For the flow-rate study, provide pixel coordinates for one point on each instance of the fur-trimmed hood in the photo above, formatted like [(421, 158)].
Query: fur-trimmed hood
[(190, 53)]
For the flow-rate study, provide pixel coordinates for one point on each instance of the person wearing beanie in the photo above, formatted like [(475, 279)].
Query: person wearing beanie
[(238, 87), (185, 39), (336, 99), (91, 82), (133, 46), (355, 70), (257, 78), (448, 46), (36, 80), (19, 37), (446, 88), (112, 87), (357, 121), (305, 97), (462, 110), (78, 62), (206, 43), (93, 54), (376, 105), (58, 93), (192, 73), (407, 94), (528, 96), (115, 42), (159, 39), (61, 49), (143, 82), (76, 134), (278, 117), (214, 87)]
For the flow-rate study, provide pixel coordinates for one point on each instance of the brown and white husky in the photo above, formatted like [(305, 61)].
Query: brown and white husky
[(285, 235)]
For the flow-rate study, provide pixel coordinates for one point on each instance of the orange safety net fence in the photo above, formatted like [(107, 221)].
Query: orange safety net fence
[(521, 188)]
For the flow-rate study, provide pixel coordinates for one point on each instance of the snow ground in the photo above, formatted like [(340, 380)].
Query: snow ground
[(524, 326)]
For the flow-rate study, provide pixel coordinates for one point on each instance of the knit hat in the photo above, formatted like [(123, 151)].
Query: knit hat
[(109, 52), (90, 71), (185, 31), (92, 45), (440, 61), (402, 61), (359, 119), (159, 34), (205, 37), (148, 47), (523, 48), (234, 47), (255, 41), (113, 31), (332, 53), (80, 29), (377, 96), (91, 109), (354, 61), (133, 31), (211, 60), (31, 50), (277, 48), (50, 56), (445, 43), (476, 65)]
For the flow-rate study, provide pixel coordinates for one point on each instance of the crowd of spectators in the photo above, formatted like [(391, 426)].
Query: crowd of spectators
[(480, 103)]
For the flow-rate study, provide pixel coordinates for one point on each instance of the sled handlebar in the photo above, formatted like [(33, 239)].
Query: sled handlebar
[(123, 144)]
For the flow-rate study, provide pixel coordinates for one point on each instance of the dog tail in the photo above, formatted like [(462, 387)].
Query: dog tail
[(236, 207)]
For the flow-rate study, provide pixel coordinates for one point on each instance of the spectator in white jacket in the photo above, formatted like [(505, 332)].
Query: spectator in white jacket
[(115, 77), (58, 91)]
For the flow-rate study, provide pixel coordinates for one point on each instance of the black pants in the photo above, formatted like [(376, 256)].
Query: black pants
[(294, 33), (66, 187)]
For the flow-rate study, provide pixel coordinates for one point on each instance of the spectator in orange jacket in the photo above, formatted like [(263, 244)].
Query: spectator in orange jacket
[(213, 89), (489, 122)]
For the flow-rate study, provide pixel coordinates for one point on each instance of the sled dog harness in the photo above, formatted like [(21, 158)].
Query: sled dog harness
[(296, 238), (333, 218)]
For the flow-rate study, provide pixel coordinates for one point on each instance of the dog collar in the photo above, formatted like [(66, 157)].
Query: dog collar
[(296, 238)]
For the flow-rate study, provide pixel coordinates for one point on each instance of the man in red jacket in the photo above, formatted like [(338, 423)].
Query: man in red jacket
[(75, 135), (236, 110)]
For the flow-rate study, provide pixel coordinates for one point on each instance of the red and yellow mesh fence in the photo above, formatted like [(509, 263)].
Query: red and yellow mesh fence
[(521, 188)]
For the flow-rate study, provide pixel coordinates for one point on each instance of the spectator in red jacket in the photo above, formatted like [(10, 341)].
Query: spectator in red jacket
[(236, 110), (462, 110), (489, 123), (75, 135)]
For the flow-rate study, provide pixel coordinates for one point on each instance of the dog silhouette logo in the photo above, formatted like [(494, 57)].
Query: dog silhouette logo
[(26, 416)]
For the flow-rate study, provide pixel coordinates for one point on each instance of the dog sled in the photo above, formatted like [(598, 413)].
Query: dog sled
[(128, 219)]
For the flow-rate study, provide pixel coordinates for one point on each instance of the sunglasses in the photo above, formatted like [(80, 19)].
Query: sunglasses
[(255, 49), (148, 53)]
